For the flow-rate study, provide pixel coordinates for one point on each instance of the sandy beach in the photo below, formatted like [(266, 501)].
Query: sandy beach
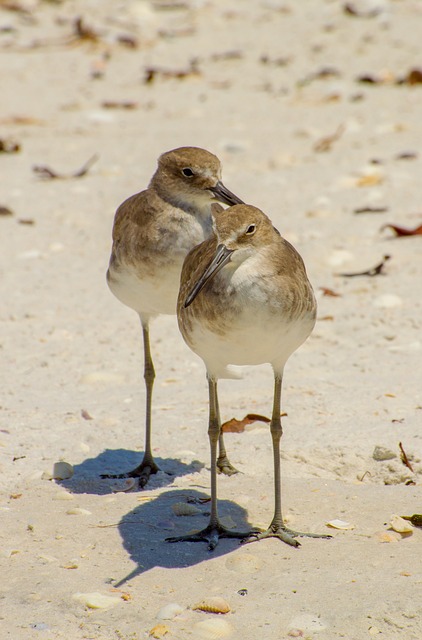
[(314, 109)]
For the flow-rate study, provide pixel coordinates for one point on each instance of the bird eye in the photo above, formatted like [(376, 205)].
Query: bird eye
[(251, 230), (187, 171)]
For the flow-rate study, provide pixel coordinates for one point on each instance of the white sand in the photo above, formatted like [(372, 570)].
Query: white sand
[(67, 345)]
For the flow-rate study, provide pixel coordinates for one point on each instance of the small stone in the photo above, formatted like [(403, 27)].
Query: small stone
[(62, 470), (381, 453)]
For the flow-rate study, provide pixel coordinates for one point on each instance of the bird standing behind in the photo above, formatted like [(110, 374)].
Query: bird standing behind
[(244, 299), (152, 233)]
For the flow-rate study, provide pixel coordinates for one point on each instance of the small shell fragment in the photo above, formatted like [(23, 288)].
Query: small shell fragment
[(62, 470), (213, 604), (169, 611), (340, 524), (77, 511), (213, 629), (387, 536), (400, 525), (126, 485), (159, 631), (185, 509), (96, 600)]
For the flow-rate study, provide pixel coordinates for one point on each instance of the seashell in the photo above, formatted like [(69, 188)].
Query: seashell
[(185, 509), (340, 524), (169, 611), (159, 631), (387, 536), (77, 511), (243, 563), (62, 470), (400, 525), (213, 604), (96, 600), (126, 485), (213, 629)]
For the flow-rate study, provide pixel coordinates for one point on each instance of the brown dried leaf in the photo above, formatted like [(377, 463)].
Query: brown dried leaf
[(329, 292), (5, 211), (404, 458), (85, 415), (402, 231), (238, 426)]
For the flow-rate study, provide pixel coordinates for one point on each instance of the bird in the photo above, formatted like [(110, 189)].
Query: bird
[(152, 233), (244, 299)]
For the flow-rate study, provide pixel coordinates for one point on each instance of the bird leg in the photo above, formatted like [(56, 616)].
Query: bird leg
[(148, 466), (214, 530), (277, 528), (223, 463)]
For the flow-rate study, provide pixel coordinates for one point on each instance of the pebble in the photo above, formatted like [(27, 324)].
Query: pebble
[(63, 495), (381, 453), (96, 600), (62, 470), (339, 257)]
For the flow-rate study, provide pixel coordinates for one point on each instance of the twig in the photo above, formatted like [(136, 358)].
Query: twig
[(404, 458), (49, 174), (374, 271)]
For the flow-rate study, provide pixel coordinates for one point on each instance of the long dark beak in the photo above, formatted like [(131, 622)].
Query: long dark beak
[(224, 195), (222, 256)]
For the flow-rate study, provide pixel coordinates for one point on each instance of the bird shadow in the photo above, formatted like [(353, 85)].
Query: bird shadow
[(145, 528), (87, 475)]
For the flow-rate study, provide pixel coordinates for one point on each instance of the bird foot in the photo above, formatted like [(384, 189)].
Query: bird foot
[(142, 472), (225, 466), (282, 533), (211, 534)]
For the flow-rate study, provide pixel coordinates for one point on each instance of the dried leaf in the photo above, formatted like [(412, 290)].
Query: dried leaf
[(414, 76), (329, 292), (9, 146), (85, 415), (5, 211), (238, 426), (402, 231), (375, 271)]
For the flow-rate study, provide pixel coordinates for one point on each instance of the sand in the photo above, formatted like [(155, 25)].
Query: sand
[(273, 89)]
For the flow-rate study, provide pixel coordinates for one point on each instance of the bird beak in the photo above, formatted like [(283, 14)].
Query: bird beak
[(224, 195), (222, 257)]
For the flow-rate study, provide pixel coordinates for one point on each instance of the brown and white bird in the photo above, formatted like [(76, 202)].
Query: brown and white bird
[(153, 232), (244, 299)]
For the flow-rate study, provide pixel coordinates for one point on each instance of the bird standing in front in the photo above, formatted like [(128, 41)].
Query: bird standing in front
[(152, 233), (244, 299)]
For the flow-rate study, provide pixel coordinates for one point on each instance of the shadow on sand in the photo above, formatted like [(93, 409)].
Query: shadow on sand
[(145, 528), (86, 478)]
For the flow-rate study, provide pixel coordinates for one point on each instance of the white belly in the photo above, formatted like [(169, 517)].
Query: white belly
[(252, 340), (150, 295)]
